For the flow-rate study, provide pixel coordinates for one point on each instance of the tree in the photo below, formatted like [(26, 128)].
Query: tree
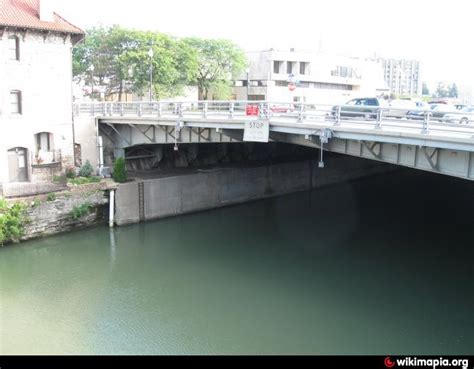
[(425, 90), (453, 91), (442, 90), (120, 171), (121, 63), (219, 62)]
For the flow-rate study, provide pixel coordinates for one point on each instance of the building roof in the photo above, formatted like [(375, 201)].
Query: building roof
[(25, 14)]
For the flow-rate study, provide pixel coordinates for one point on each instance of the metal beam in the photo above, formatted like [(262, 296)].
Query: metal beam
[(429, 158), (143, 133), (371, 148), (129, 143)]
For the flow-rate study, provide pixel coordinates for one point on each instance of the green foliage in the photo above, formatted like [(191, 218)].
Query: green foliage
[(59, 179), (51, 197), (120, 171), (81, 211), (86, 170), (12, 220), (425, 90), (219, 61), (84, 180), (36, 203), (70, 172), (122, 64)]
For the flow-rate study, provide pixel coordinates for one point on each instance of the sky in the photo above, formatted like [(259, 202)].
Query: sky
[(438, 34)]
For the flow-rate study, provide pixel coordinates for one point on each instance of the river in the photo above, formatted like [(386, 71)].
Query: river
[(382, 265)]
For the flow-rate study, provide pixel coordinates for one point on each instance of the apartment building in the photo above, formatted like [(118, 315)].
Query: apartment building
[(402, 76), (36, 127), (297, 76)]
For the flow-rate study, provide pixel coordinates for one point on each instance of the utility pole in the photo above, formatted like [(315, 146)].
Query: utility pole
[(150, 54)]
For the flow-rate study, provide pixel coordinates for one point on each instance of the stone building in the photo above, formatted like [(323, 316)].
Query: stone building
[(36, 126)]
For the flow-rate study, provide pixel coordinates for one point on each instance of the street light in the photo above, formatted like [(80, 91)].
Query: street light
[(91, 69), (248, 83), (150, 54)]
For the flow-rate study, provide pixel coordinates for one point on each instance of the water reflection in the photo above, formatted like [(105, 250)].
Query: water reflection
[(382, 265)]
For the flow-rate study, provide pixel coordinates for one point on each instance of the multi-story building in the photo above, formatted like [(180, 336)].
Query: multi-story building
[(402, 77), (36, 127), (316, 78)]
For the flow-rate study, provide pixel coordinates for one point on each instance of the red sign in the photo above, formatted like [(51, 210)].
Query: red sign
[(291, 87), (252, 110)]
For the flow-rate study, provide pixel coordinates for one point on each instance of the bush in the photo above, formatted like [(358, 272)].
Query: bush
[(12, 220), (120, 171), (70, 172), (80, 211), (51, 197), (86, 170)]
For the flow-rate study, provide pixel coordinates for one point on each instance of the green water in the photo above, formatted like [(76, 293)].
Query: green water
[(383, 265)]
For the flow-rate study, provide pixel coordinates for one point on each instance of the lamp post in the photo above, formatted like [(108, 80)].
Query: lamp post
[(150, 54), (248, 83), (91, 68)]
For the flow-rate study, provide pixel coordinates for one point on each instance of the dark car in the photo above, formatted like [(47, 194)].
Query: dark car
[(366, 107)]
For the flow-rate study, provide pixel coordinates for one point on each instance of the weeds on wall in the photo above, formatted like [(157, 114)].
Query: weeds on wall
[(12, 222)]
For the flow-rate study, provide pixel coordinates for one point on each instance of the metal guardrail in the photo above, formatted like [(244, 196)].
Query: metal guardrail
[(368, 116)]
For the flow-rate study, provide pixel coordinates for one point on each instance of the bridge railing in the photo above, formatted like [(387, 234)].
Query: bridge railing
[(369, 117)]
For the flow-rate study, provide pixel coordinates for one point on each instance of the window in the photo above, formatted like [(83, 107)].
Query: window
[(256, 97), (43, 142), (304, 68), (15, 102), (13, 48), (289, 68), (277, 66)]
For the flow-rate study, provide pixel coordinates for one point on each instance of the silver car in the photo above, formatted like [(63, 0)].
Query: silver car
[(400, 108), (464, 116)]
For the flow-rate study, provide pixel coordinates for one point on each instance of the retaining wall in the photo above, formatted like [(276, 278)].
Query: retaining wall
[(171, 196)]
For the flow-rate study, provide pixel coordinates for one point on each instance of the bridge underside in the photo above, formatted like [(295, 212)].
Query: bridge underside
[(121, 136)]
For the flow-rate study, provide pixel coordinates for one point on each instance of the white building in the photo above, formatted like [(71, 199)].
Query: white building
[(402, 76), (36, 129), (319, 78)]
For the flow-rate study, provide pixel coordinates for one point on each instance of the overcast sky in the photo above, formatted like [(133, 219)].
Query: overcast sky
[(439, 34)]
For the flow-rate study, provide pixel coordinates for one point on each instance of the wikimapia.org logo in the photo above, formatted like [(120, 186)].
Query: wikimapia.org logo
[(426, 363)]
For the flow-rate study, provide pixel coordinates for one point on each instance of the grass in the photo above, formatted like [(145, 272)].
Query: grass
[(84, 180), (81, 211)]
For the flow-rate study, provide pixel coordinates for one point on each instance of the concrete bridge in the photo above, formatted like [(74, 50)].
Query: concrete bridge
[(425, 144)]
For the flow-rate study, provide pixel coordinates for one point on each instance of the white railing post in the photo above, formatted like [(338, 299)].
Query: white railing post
[(160, 112), (301, 113), (104, 109), (122, 109), (140, 109), (379, 118), (205, 110), (426, 123), (338, 115), (231, 110), (262, 111)]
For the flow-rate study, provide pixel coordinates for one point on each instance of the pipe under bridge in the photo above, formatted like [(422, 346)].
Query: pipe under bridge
[(425, 142)]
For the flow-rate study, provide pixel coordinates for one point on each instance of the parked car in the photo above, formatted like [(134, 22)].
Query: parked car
[(438, 111), (400, 108), (283, 108), (366, 107), (464, 116)]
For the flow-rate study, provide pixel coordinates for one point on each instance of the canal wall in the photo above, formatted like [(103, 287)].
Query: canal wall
[(182, 194), (72, 210)]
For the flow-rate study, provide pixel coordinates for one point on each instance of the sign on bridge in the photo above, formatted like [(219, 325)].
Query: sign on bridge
[(257, 131)]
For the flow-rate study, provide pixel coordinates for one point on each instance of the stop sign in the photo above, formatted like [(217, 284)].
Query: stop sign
[(291, 86)]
